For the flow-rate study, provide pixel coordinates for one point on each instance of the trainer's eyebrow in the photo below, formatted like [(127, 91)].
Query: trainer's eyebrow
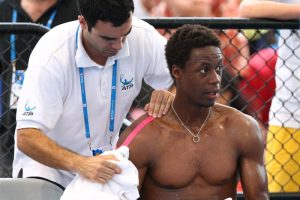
[(111, 38)]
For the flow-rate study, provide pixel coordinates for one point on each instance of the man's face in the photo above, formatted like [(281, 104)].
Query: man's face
[(200, 79), (104, 39)]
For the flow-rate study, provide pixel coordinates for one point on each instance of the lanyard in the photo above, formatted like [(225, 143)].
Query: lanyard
[(112, 100), (13, 55)]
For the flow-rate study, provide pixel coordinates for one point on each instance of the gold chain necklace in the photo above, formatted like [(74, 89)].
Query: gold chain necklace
[(196, 137)]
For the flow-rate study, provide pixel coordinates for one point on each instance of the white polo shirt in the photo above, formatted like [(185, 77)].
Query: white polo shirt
[(51, 98)]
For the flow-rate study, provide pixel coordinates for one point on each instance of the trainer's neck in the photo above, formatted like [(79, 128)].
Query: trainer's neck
[(91, 51), (36, 8)]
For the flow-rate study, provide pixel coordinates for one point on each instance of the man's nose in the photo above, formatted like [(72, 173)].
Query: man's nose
[(215, 77), (117, 44)]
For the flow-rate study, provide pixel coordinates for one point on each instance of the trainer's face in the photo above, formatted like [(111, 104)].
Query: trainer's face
[(104, 39), (200, 78)]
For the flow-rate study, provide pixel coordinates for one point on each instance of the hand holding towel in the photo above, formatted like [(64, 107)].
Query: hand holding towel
[(123, 186)]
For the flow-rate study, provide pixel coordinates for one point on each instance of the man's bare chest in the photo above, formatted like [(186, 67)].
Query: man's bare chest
[(211, 161)]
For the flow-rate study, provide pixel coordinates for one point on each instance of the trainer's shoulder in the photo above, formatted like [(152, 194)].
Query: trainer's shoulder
[(141, 25), (142, 29), (58, 40), (60, 33)]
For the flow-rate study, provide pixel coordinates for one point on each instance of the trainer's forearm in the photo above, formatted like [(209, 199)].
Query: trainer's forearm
[(38, 146), (269, 9)]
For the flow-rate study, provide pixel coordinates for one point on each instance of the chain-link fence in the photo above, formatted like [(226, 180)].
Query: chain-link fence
[(250, 54), (16, 44)]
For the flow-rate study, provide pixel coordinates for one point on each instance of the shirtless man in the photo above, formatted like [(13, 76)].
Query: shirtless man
[(200, 149)]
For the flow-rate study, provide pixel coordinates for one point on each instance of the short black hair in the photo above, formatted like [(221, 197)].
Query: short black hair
[(114, 11), (186, 38)]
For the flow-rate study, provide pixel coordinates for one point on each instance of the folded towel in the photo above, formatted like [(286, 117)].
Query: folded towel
[(123, 186)]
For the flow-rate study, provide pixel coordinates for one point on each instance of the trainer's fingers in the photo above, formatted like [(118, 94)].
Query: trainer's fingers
[(114, 167), (107, 171), (109, 168), (164, 101), (151, 104), (168, 104), (163, 105), (100, 180), (108, 163), (146, 108), (104, 177), (155, 104)]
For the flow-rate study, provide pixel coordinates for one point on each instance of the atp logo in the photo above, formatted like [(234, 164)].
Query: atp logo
[(28, 109), (126, 84)]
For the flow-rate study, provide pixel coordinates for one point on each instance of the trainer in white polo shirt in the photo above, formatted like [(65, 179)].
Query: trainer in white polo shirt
[(79, 86)]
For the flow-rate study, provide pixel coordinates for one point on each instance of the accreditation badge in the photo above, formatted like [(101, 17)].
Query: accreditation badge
[(101, 150)]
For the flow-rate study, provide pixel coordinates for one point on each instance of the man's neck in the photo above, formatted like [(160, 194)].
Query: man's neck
[(189, 114), (36, 8)]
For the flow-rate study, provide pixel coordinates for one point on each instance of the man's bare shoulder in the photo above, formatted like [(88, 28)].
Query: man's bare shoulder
[(233, 115), (243, 127), (143, 144), (143, 128)]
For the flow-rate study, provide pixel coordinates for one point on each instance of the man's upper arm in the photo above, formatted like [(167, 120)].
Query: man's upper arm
[(140, 148), (252, 169)]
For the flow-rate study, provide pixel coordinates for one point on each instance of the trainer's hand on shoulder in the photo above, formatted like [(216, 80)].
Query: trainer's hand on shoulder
[(160, 103), (99, 168)]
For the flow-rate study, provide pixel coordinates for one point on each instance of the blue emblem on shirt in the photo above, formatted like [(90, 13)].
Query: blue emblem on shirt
[(126, 84), (28, 109)]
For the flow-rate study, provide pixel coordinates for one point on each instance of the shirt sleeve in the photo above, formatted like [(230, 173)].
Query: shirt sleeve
[(158, 74), (41, 101)]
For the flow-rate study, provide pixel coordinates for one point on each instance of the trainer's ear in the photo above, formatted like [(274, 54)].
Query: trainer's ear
[(176, 71), (82, 22)]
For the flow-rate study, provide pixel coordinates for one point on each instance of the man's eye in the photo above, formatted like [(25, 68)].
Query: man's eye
[(219, 68), (204, 70)]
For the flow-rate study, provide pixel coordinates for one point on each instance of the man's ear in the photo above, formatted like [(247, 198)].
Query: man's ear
[(82, 22), (176, 71)]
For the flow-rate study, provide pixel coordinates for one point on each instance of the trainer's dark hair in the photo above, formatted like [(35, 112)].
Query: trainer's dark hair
[(186, 38), (115, 11)]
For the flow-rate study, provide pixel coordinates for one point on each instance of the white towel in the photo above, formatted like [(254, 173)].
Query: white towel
[(123, 186)]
